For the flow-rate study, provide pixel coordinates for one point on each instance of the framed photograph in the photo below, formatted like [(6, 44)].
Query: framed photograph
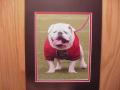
[(53, 47), (63, 44)]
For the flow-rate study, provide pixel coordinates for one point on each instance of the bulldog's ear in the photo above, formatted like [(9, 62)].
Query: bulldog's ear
[(71, 28), (50, 28)]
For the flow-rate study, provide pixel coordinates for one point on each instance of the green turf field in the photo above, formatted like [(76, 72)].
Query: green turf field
[(43, 21)]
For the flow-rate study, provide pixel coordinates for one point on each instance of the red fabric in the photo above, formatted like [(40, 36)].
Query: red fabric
[(73, 53)]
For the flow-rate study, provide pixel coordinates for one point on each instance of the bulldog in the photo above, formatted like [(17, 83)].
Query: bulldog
[(63, 43)]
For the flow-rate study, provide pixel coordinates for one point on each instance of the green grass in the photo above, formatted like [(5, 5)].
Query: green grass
[(43, 22)]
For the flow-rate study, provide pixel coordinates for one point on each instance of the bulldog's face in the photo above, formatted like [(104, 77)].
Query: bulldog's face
[(61, 36)]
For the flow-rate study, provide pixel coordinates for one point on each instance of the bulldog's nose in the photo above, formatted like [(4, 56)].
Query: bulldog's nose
[(59, 33)]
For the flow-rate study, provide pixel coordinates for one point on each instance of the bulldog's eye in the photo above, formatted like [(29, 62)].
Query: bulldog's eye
[(54, 31)]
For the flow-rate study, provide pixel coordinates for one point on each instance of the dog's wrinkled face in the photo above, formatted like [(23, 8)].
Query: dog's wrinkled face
[(61, 36)]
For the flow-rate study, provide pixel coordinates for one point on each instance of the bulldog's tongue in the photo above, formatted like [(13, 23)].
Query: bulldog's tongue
[(58, 42)]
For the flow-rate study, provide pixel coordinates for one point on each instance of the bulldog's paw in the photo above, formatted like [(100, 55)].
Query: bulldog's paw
[(51, 71), (58, 68), (83, 65), (72, 71)]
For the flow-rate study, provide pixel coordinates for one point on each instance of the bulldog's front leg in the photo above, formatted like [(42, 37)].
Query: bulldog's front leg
[(58, 64), (72, 67), (51, 67)]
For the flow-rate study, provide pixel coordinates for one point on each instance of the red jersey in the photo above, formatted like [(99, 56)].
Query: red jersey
[(72, 53)]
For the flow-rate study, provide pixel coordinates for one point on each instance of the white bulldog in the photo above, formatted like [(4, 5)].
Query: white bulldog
[(63, 43)]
